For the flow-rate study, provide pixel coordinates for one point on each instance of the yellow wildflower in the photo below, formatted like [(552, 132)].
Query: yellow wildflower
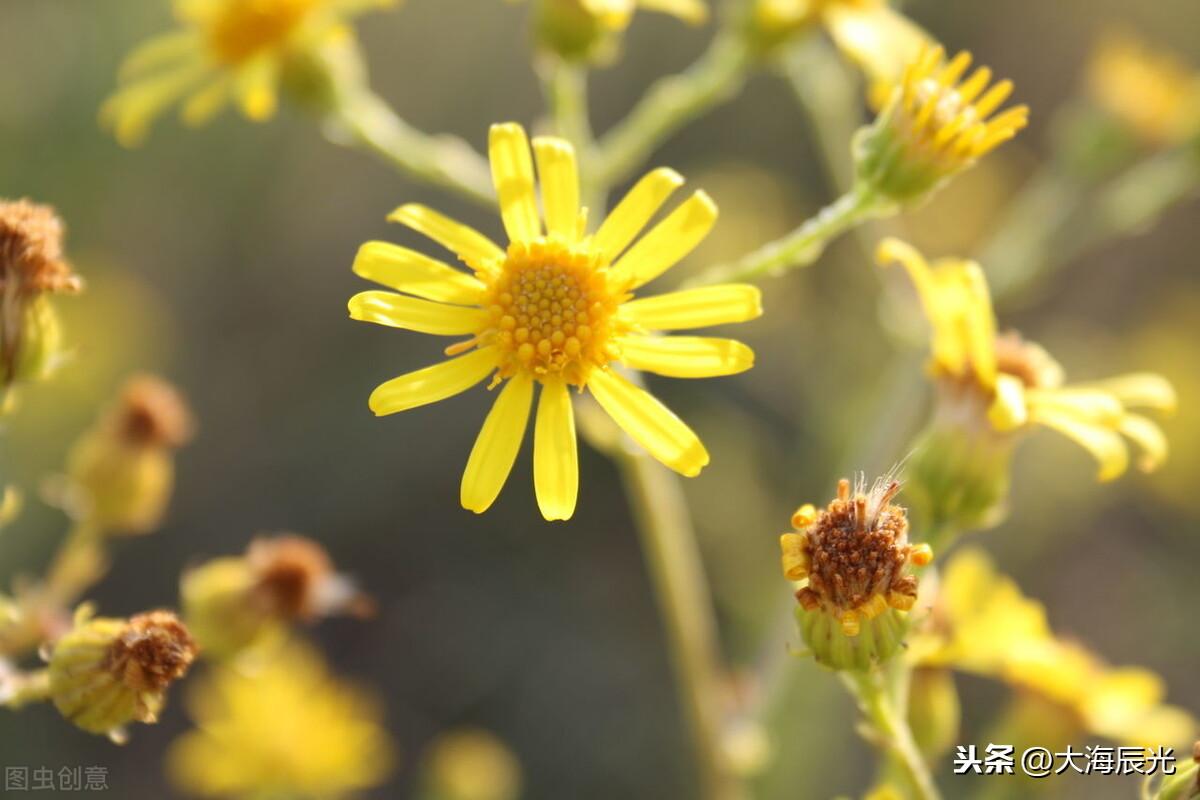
[(555, 308), (879, 39), (1017, 384), (225, 51), (1154, 93), (981, 623), (935, 125), (853, 560), (282, 727), (106, 673)]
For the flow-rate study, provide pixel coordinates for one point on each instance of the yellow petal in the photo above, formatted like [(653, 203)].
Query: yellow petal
[(512, 174), (411, 313), (1008, 410), (1086, 405), (980, 322), (881, 40), (130, 111), (668, 241), (467, 243), (695, 308), (694, 12), (1141, 390), (555, 456), (205, 103), (559, 176), (434, 383), (648, 422), (256, 90), (635, 210), (496, 448), (1105, 445), (414, 273), (1149, 437), (161, 52), (686, 356)]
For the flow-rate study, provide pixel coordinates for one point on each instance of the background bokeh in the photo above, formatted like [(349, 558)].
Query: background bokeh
[(221, 259)]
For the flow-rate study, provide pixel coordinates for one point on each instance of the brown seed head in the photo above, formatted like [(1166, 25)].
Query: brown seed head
[(855, 554), (153, 651), (290, 571), (152, 413), (31, 256)]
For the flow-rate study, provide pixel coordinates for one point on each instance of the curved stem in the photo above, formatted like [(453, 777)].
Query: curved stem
[(892, 729), (364, 119), (671, 103), (802, 246), (682, 588)]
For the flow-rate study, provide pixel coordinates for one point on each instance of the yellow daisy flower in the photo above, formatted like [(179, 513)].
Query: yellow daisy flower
[(1017, 384), (224, 51), (981, 623), (935, 125), (555, 308), (283, 727), (876, 37), (1151, 91)]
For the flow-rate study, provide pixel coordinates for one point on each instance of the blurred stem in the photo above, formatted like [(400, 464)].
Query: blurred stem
[(565, 86), (890, 726), (678, 576), (671, 103), (80, 562), (21, 689), (362, 118), (802, 246)]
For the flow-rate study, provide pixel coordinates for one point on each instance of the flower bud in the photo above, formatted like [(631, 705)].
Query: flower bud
[(853, 558), (123, 470), (107, 673), (32, 267), (231, 604), (934, 126), (471, 765)]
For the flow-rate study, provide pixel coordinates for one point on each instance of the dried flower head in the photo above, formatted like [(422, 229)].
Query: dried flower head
[(232, 604), (31, 250), (106, 673), (935, 125), (854, 557), (152, 413)]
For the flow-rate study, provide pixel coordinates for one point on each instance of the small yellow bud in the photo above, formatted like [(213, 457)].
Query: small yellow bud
[(107, 673), (123, 470), (805, 515), (471, 765)]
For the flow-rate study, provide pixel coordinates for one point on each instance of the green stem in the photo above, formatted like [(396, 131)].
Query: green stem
[(364, 119), (891, 728), (682, 588), (671, 103), (802, 246)]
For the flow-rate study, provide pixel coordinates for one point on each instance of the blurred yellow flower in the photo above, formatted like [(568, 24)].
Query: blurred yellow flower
[(982, 624), (555, 308), (1016, 383), (471, 764), (879, 39), (852, 559), (1150, 90), (224, 51), (280, 727), (935, 125), (616, 14)]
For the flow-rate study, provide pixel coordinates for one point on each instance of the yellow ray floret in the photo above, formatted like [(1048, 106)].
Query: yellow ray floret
[(1022, 384), (1153, 92), (555, 308), (224, 52)]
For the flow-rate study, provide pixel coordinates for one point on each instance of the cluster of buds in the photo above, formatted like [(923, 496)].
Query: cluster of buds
[(122, 472), (107, 673), (32, 268), (234, 603), (934, 126), (853, 559)]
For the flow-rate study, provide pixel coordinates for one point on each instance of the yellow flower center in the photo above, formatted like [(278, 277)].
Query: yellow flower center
[(552, 312), (241, 29), (948, 103)]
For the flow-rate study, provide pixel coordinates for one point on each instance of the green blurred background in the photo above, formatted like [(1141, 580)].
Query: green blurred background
[(221, 258)]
